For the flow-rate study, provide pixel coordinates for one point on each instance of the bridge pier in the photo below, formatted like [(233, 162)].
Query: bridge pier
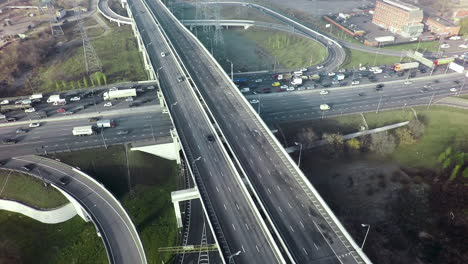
[(181, 196), (162, 147), (78, 208)]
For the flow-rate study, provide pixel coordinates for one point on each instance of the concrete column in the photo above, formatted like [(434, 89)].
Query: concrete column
[(162, 102), (177, 213), (176, 142)]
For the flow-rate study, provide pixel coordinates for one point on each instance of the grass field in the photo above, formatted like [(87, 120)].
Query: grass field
[(291, 51), (149, 202), (117, 51), (423, 46), (31, 191), (355, 58)]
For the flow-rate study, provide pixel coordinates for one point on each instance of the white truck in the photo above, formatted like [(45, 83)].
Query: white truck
[(339, 77), (35, 96), (324, 107), (105, 123), (53, 98), (110, 95), (83, 131)]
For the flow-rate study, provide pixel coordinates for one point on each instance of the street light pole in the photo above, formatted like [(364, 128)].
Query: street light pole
[(367, 232), (300, 153), (232, 70), (430, 101), (378, 106), (464, 81), (233, 255)]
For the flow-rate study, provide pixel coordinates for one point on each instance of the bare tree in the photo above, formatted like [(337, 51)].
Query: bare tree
[(417, 128), (307, 137), (335, 144), (382, 143)]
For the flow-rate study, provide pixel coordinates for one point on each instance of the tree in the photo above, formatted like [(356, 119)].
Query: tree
[(307, 136), (57, 86), (416, 128), (104, 77), (64, 85), (85, 82), (353, 145), (404, 135), (382, 143), (335, 143)]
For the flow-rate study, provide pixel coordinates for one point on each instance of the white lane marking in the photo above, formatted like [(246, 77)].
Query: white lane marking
[(279, 207), (305, 251), (269, 190), (247, 226), (315, 246), (233, 227), (256, 246), (217, 188), (237, 206), (243, 249), (229, 189), (225, 208), (292, 229), (289, 205), (300, 222)]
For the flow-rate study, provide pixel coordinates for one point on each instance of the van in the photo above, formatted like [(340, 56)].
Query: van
[(245, 90), (324, 107)]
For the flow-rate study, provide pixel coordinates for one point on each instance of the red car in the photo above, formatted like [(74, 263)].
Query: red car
[(61, 110)]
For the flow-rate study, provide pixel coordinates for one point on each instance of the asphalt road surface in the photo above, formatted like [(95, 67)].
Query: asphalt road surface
[(57, 136), (236, 226), (303, 105), (120, 237), (295, 211)]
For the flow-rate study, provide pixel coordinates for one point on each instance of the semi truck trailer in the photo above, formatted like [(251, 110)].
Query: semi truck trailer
[(83, 131), (118, 94)]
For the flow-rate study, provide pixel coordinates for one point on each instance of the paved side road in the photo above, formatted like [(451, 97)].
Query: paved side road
[(114, 224)]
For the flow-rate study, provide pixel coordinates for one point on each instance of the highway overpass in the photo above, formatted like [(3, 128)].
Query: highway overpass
[(304, 226)]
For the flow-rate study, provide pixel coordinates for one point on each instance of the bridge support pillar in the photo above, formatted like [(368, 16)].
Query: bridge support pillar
[(162, 102), (78, 208), (181, 196), (162, 147)]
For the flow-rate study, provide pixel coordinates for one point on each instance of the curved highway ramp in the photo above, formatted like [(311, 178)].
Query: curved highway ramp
[(115, 227)]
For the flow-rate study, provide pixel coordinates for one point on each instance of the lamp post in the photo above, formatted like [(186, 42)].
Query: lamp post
[(232, 70), (367, 232), (233, 255), (300, 153), (173, 104)]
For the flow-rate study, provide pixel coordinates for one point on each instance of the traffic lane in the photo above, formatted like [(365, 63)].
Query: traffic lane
[(63, 131), (303, 247), (231, 218), (216, 84), (90, 106), (114, 223), (301, 255)]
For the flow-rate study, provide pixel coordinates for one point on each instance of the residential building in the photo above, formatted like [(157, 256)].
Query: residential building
[(399, 17), (441, 26)]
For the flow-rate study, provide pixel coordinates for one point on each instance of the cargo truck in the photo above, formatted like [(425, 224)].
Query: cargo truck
[(53, 98), (405, 66), (105, 123), (83, 131), (110, 95), (6, 108)]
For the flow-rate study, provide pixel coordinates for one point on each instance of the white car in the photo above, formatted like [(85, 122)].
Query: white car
[(114, 89), (455, 38), (76, 98), (163, 54), (35, 125), (408, 82), (258, 80), (362, 68), (444, 46), (150, 87), (290, 88), (284, 87), (463, 46), (254, 101), (319, 67), (129, 99), (323, 92), (304, 69), (453, 89), (342, 70), (165, 111), (30, 110), (331, 74), (324, 107), (108, 104), (354, 82), (413, 39), (4, 102)]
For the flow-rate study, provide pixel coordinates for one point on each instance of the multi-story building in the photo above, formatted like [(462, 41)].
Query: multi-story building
[(441, 26), (398, 17)]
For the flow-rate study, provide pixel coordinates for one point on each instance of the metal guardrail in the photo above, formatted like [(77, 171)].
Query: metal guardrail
[(305, 184)]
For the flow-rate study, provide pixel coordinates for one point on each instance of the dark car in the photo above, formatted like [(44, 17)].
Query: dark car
[(9, 141), (378, 89), (11, 119), (64, 180), (424, 90), (436, 81), (379, 86), (61, 110), (134, 104), (28, 167), (210, 138), (21, 131), (93, 119), (362, 94), (180, 79), (423, 70)]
